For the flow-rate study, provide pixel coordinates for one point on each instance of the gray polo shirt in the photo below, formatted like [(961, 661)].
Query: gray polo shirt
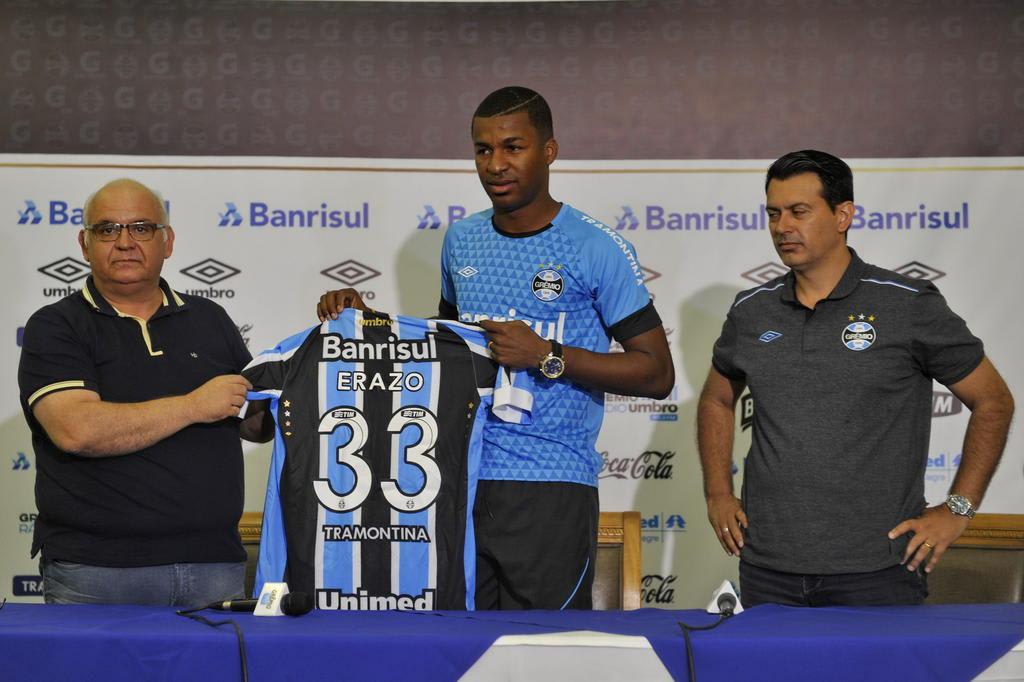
[(842, 413)]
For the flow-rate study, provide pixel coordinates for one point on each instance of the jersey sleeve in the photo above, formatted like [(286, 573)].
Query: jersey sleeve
[(513, 396), (273, 557), (616, 281), (943, 346), (268, 370), (511, 391), (267, 373), (235, 343), (448, 304), (723, 356), (53, 358)]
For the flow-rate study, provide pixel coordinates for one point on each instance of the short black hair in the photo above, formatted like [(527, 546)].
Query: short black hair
[(836, 177), (514, 98)]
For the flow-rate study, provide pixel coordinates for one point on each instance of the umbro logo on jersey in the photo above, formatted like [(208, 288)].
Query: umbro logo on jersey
[(468, 271), (769, 336)]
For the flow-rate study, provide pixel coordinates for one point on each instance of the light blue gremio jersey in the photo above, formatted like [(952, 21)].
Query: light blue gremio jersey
[(571, 282)]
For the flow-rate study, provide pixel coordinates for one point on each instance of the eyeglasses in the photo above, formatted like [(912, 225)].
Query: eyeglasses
[(140, 231)]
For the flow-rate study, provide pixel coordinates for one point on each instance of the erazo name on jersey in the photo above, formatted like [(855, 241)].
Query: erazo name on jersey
[(396, 382)]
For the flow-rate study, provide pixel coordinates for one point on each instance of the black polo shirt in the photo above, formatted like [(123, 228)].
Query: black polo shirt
[(178, 500), (842, 413)]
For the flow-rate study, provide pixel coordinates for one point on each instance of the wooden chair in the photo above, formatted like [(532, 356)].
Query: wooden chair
[(616, 576), (984, 566)]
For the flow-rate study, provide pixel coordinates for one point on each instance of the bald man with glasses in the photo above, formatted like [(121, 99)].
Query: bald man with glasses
[(132, 393)]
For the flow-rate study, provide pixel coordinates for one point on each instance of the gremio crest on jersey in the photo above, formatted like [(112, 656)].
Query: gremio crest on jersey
[(548, 285), (859, 334)]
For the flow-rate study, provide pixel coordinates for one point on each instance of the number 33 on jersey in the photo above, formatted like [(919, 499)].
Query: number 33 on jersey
[(379, 422)]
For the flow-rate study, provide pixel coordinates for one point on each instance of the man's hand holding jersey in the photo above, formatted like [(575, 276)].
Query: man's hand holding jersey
[(515, 344), (333, 302)]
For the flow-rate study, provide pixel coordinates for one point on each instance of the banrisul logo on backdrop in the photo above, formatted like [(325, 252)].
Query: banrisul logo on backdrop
[(628, 219), (66, 270), (432, 219), (210, 271), (31, 214), (322, 215), (720, 218), (746, 218), (21, 462), (351, 273), (53, 212)]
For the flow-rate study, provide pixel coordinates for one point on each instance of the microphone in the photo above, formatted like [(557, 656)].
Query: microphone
[(725, 601), (726, 604), (292, 604)]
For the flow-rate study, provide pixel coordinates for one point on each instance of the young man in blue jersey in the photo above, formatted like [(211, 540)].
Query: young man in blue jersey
[(551, 286)]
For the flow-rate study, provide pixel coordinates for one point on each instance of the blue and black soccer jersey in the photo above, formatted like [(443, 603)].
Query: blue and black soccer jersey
[(377, 447), (577, 282)]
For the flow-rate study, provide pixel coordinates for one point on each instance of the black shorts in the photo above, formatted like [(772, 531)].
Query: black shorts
[(536, 544)]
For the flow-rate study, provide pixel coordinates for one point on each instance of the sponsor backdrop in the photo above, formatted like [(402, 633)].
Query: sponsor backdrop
[(272, 128), (265, 237)]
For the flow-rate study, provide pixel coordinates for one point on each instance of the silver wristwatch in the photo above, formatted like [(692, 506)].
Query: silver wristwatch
[(961, 506)]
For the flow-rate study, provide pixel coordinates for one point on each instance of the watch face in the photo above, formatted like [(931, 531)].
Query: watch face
[(552, 367), (959, 505)]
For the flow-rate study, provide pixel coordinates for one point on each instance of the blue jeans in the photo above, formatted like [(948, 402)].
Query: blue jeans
[(893, 586), (182, 585)]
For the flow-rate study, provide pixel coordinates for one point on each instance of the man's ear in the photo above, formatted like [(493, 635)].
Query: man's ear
[(85, 247), (550, 151), (844, 213), (168, 241)]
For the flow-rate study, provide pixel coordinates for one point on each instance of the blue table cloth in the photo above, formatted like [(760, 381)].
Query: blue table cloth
[(766, 642)]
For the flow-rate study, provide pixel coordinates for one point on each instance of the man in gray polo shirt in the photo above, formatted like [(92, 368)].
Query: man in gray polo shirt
[(840, 356)]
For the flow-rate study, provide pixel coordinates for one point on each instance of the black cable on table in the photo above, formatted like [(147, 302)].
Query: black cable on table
[(687, 629), (191, 615)]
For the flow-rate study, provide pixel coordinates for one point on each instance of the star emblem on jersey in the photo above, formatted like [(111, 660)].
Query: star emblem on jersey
[(769, 336), (859, 334), (548, 285), (468, 271)]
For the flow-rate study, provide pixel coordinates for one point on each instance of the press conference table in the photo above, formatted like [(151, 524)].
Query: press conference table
[(764, 643)]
